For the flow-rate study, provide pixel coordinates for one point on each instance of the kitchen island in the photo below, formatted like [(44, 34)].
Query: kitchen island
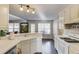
[(25, 43)]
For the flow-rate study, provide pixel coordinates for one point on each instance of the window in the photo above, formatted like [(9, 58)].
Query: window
[(44, 28), (16, 27), (13, 27), (32, 28), (10, 27)]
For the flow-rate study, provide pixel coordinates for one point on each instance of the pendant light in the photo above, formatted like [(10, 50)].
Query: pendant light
[(33, 11), (21, 8), (28, 8)]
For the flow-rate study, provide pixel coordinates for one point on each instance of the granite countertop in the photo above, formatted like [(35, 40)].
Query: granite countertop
[(7, 44)]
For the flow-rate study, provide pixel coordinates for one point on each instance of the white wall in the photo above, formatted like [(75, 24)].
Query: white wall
[(4, 16)]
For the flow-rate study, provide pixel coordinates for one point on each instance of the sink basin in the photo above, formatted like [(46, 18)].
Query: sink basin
[(69, 40)]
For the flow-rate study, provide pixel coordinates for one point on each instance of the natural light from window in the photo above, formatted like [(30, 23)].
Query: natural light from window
[(32, 28), (14, 27), (44, 28)]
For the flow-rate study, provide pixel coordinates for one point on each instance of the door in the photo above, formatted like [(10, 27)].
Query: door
[(23, 27)]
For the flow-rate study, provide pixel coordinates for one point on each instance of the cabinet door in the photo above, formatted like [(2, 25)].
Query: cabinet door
[(56, 44), (74, 11), (74, 49), (30, 46), (26, 47), (36, 45), (62, 47), (67, 15), (59, 47), (4, 17), (33, 46)]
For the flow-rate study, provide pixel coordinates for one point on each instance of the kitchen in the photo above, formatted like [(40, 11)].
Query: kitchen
[(25, 31)]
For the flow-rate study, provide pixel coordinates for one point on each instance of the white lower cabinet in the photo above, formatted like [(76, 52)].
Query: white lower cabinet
[(74, 48), (63, 49), (56, 43), (61, 46), (26, 47), (30, 46), (36, 45)]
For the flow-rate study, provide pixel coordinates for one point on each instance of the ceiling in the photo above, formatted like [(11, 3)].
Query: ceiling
[(43, 12)]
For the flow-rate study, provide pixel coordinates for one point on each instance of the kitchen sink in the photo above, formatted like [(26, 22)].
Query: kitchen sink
[(69, 40)]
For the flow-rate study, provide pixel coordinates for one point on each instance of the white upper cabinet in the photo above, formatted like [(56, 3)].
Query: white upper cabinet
[(67, 15), (74, 11), (70, 14), (4, 19)]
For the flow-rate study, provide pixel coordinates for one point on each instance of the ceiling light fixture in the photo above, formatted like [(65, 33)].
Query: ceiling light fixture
[(33, 12), (21, 8), (28, 8)]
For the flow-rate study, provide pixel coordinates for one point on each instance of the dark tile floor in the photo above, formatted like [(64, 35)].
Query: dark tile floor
[(48, 46)]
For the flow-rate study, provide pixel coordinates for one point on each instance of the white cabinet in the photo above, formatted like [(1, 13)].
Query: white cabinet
[(26, 46), (74, 11), (70, 14), (36, 45), (74, 48), (63, 49), (23, 47), (30, 46), (56, 43), (4, 17), (61, 46), (67, 15)]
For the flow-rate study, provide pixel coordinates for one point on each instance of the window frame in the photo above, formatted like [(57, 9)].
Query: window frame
[(32, 28), (13, 27), (42, 28)]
